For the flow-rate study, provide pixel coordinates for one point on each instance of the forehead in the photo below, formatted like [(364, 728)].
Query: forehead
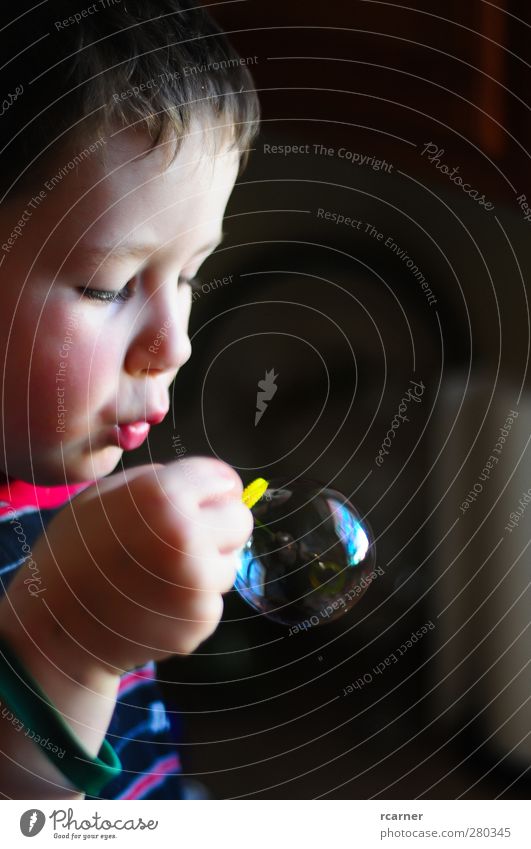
[(121, 193)]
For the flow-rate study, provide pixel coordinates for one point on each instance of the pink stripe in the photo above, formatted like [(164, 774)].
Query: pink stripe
[(142, 785), (18, 494), (132, 679)]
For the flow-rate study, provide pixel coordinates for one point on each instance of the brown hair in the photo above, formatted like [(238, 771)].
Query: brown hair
[(72, 70)]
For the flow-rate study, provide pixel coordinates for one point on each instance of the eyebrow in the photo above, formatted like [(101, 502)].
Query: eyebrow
[(99, 254)]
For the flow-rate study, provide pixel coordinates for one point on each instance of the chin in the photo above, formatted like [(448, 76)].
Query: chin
[(85, 467), (98, 464), (70, 468)]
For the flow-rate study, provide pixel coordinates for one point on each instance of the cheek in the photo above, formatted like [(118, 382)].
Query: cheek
[(64, 364)]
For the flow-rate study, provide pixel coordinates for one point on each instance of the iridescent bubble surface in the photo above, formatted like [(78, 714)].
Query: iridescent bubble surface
[(310, 558)]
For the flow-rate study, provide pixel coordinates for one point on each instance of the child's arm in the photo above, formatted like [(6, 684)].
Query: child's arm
[(133, 572), (86, 699)]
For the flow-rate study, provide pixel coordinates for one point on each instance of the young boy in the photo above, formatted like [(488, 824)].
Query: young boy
[(124, 128)]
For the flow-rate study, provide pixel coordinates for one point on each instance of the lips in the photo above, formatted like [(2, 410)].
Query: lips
[(131, 436)]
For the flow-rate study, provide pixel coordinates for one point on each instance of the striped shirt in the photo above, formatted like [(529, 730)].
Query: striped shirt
[(142, 732)]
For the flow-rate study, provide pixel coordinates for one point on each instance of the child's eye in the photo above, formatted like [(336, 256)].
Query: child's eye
[(104, 295), (109, 296)]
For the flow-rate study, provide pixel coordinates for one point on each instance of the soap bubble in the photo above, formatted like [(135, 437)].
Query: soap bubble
[(310, 557)]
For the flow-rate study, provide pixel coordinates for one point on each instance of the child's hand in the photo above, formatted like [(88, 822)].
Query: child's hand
[(134, 567)]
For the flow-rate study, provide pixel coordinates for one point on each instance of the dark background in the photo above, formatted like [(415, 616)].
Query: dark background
[(346, 326)]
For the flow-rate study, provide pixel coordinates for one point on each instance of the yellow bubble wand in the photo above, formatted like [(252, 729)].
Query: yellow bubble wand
[(253, 493)]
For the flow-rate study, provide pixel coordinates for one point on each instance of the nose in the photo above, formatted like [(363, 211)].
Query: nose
[(161, 342)]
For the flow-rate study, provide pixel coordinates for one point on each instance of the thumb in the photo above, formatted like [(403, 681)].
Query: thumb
[(124, 476)]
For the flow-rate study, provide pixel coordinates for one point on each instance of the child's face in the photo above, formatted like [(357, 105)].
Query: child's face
[(76, 367)]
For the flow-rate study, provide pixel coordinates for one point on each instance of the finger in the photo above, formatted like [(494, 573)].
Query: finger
[(209, 480), (202, 623), (215, 576), (228, 526), (230, 564)]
